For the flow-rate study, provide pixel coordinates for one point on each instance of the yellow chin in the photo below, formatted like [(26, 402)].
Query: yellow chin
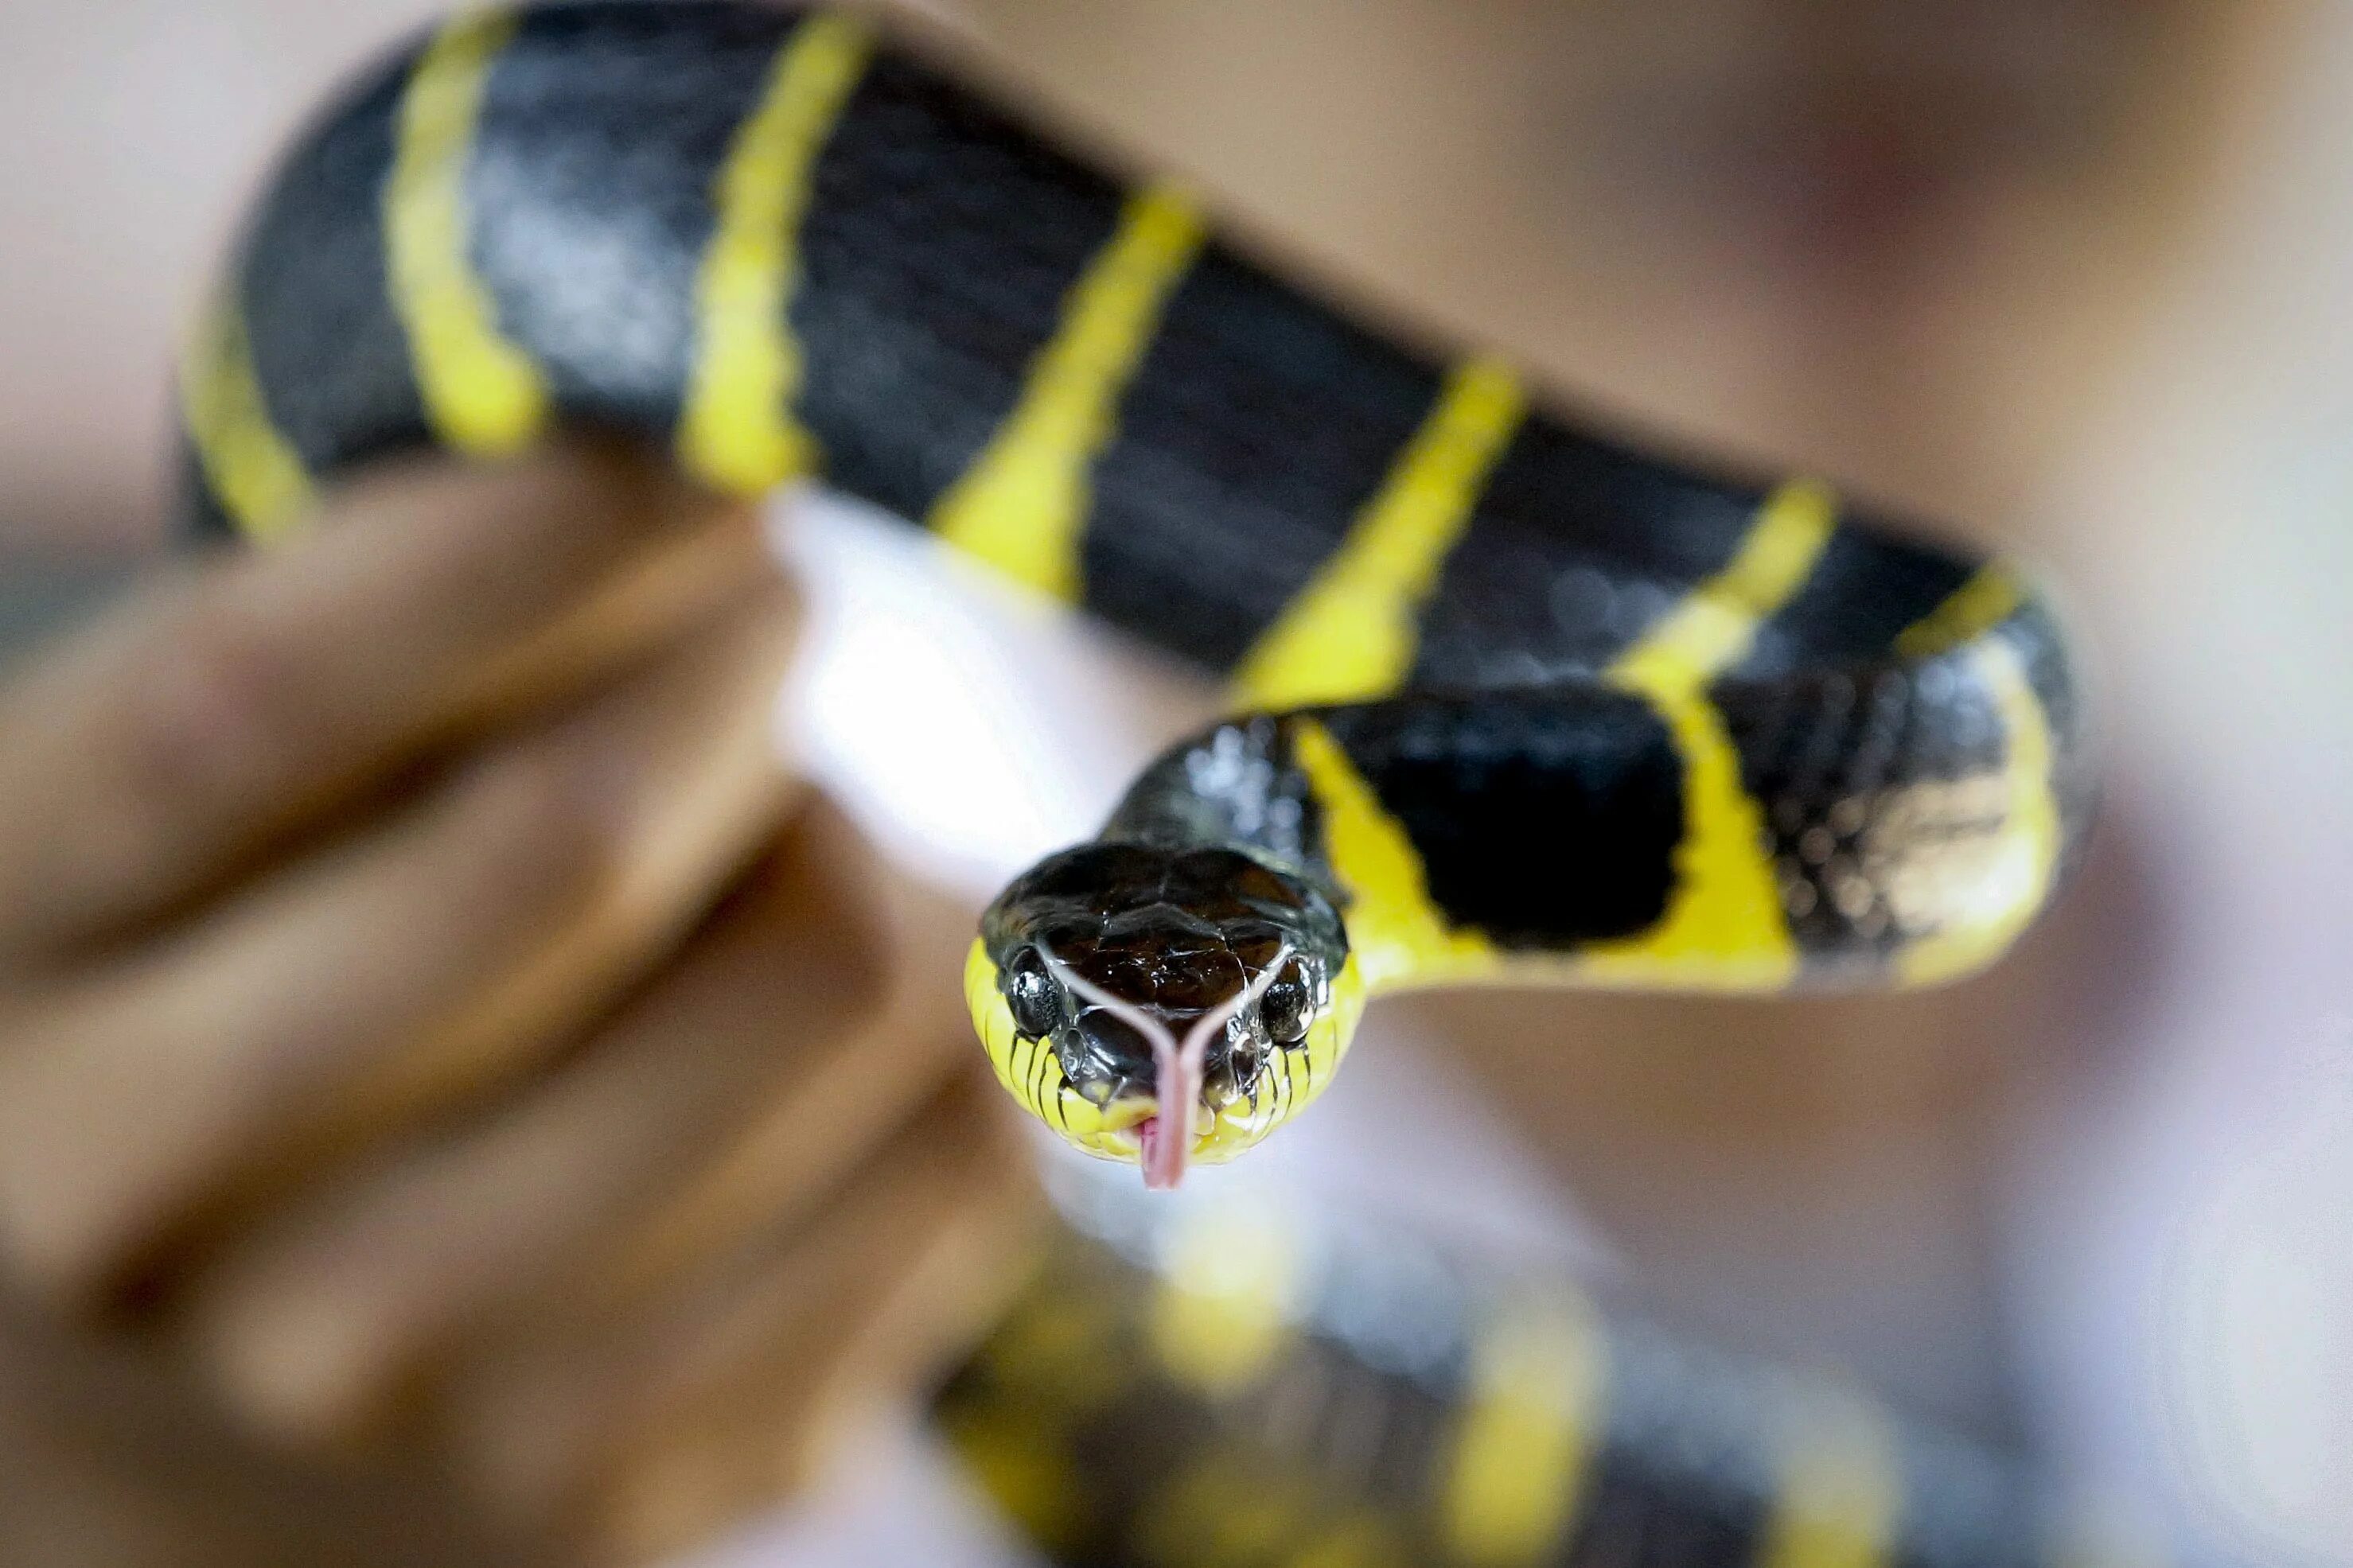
[(1032, 1074)]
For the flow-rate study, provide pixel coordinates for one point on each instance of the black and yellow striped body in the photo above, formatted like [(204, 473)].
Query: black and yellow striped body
[(1233, 1385), (1515, 699), (1741, 738), (1889, 820)]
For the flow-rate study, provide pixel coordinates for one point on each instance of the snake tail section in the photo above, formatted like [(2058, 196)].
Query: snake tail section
[(1732, 732), (1345, 1392)]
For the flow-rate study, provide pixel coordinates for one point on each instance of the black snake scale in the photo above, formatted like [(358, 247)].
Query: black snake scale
[(1514, 700)]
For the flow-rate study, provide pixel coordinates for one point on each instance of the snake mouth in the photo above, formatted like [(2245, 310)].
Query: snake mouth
[(1133, 1128), (1167, 1148), (1125, 1119)]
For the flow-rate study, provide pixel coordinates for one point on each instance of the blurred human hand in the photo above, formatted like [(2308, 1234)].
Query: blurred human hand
[(457, 1095)]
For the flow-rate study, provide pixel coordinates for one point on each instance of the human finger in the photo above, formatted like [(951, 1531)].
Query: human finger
[(393, 971), (314, 1325), (761, 1428), (538, 1415), (152, 755), (801, 1148)]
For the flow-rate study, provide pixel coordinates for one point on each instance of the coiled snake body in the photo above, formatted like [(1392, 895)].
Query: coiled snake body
[(1512, 700)]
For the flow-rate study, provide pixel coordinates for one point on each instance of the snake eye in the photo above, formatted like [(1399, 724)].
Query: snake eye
[(1029, 991), (1289, 1005)]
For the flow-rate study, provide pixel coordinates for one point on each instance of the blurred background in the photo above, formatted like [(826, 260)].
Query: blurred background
[(2071, 272)]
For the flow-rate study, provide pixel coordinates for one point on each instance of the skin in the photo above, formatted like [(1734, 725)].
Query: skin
[(460, 1097)]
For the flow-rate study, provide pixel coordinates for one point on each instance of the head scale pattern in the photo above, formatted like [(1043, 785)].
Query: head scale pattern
[(1163, 1006)]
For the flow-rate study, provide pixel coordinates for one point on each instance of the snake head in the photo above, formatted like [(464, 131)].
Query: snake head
[(1159, 1005)]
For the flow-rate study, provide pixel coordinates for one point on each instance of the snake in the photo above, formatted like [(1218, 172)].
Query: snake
[(1514, 698), (1235, 1378)]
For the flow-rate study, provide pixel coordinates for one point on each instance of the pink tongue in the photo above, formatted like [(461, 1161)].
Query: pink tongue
[(1167, 1139), (1147, 1138), (1165, 1142)]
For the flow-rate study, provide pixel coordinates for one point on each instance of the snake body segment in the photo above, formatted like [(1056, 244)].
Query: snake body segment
[(1345, 1390), (1517, 700), (1513, 700)]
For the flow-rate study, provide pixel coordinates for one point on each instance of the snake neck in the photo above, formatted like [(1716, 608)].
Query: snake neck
[(1237, 785)]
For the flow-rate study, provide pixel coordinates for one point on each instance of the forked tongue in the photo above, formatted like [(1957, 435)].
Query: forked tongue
[(1164, 1141), (1149, 1146)]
